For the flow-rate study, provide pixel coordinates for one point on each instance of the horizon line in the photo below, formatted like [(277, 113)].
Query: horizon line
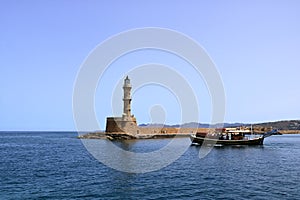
[(205, 123)]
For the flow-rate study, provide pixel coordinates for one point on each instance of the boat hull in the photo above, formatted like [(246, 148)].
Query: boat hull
[(209, 141)]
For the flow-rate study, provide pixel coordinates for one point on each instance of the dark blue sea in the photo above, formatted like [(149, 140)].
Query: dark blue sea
[(56, 165)]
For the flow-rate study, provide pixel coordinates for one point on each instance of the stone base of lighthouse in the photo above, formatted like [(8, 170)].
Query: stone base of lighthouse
[(121, 124)]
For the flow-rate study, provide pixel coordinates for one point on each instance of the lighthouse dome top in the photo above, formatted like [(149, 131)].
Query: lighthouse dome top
[(127, 81)]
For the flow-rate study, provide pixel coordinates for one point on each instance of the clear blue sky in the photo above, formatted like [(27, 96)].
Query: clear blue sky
[(254, 44)]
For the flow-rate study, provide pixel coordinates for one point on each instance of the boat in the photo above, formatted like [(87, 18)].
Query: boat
[(230, 136)]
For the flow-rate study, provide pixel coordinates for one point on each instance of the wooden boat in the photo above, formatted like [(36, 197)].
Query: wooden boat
[(231, 136)]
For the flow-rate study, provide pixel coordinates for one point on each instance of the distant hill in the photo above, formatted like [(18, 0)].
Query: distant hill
[(186, 125), (280, 125)]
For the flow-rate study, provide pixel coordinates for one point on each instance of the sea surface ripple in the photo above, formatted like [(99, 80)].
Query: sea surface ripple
[(56, 165)]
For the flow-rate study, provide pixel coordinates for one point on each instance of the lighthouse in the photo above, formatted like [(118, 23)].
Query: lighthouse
[(127, 99), (127, 122)]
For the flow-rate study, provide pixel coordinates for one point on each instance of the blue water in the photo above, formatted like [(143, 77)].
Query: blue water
[(36, 165)]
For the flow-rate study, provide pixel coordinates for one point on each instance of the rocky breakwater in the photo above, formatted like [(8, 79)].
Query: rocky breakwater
[(128, 136), (107, 135)]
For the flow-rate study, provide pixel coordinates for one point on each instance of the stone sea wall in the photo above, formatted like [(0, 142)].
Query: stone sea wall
[(140, 132)]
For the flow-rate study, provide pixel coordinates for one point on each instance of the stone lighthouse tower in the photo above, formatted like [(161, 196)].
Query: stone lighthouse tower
[(126, 123), (127, 99)]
